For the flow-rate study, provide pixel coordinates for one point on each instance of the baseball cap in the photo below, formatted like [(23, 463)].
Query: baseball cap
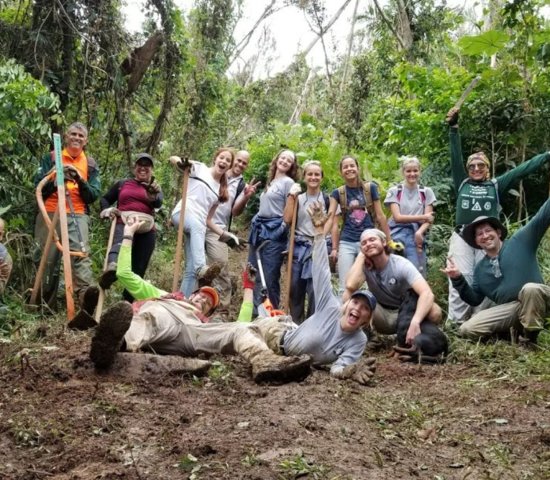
[(371, 299), (144, 157)]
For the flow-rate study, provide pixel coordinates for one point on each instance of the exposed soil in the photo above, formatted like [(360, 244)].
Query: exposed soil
[(60, 419)]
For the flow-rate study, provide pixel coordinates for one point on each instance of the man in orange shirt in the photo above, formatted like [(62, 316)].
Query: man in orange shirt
[(82, 187)]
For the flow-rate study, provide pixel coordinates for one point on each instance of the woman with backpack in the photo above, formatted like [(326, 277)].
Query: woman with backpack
[(268, 229), (301, 285), (139, 197), (477, 193), (360, 209), (207, 188), (411, 206)]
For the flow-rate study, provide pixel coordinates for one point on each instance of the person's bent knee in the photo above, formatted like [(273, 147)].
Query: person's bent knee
[(467, 330), (435, 315)]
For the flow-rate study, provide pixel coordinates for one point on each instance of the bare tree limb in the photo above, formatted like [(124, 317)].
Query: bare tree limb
[(390, 25)]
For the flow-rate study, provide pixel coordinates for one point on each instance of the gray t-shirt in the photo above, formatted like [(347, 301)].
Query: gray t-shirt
[(411, 201), (223, 212), (390, 284), (273, 199), (321, 335), (303, 222)]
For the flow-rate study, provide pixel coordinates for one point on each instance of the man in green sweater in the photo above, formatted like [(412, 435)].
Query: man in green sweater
[(508, 274), (476, 194)]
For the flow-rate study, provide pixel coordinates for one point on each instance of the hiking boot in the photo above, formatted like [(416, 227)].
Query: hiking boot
[(108, 337), (207, 273), (82, 321), (280, 369), (89, 299), (108, 277), (528, 338)]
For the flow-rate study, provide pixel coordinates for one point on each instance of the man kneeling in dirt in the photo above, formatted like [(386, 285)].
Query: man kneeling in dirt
[(172, 325), (333, 335)]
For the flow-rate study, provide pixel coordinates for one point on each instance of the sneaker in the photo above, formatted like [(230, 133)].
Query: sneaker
[(108, 277), (108, 337), (281, 369), (207, 273)]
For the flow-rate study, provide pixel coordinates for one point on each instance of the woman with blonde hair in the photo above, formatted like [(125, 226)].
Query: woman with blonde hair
[(411, 206)]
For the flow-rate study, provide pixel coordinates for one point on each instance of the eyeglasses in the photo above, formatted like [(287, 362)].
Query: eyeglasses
[(495, 267), (476, 166)]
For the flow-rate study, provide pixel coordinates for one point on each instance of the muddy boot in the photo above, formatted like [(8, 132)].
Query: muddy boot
[(108, 277), (84, 319), (207, 273), (108, 337), (270, 367)]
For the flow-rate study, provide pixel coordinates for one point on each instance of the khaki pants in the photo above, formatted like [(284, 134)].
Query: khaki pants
[(173, 331), (384, 320), (81, 267), (530, 311), (218, 252)]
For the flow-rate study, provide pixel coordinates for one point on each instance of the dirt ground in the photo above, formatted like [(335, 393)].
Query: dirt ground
[(59, 419)]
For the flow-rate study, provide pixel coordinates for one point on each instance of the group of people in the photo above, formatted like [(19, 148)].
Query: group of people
[(494, 284)]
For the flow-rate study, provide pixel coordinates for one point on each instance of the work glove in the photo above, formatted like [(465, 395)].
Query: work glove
[(232, 240), (295, 190), (249, 276), (153, 188), (361, 373), (71, 173), (182, 163), (109, 212), (396, 246), (452, 117)]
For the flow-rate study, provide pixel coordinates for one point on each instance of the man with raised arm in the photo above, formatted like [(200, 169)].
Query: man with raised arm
[(508, 274)]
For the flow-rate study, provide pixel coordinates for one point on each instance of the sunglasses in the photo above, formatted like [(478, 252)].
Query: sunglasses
[(476, 166)]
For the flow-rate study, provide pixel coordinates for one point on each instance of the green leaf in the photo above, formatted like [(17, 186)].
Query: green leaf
[(489, 43)]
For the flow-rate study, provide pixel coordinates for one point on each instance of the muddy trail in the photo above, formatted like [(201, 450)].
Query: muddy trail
[(59, 419)]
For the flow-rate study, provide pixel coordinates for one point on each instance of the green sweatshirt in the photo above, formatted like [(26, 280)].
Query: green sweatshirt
[(481, 198), (140, 289), (515, 265)]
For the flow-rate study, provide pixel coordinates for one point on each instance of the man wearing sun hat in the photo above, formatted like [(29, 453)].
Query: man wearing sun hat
[(168, 323), (508, 274)]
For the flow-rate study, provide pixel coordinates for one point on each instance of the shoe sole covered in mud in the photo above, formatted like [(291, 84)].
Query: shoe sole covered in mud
[(107, 279), (209, 274), (114, 323), (282, 369)]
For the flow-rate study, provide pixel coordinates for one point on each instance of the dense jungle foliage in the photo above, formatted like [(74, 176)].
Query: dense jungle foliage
[(166, 90)]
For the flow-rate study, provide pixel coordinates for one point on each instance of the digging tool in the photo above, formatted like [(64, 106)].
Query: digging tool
[(43, 260), (466, 92), (101, 298), (67, 271), (290, 255), (266, 308), (179, 244)]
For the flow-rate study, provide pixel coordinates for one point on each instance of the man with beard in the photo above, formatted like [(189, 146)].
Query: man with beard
[(388, 277)]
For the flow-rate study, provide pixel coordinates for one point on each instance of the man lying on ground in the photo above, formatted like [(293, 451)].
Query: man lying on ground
[(333, 335), (170, 324), (508, 274)]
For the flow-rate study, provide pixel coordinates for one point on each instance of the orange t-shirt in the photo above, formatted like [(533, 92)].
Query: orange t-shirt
[(71, 187)]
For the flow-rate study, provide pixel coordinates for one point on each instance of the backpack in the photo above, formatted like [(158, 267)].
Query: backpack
[(366, 193), (421, 191)]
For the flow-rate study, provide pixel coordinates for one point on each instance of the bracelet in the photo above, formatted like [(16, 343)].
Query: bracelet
[(128, 237)]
